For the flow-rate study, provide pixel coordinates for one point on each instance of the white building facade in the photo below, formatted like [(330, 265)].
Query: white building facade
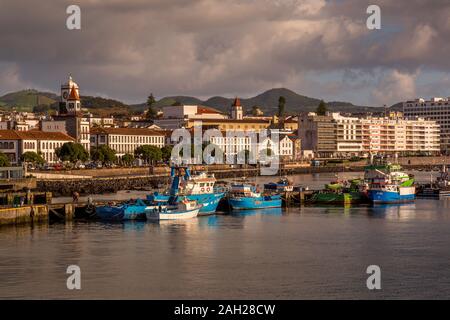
[(15, 143), (435, 109), (126, 140), (350, 136)]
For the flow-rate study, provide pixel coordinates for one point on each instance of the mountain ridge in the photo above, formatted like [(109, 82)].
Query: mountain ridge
[(267, 101)]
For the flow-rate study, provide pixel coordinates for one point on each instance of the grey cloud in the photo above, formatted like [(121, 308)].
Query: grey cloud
[(212, 47)]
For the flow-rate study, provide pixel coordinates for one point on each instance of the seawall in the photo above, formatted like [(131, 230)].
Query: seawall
[(21, 215), (100, 184)]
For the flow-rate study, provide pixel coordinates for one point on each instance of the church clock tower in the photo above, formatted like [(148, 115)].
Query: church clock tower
[(70, 98)]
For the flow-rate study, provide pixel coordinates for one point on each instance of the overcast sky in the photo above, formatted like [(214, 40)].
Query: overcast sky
[(129, 48)]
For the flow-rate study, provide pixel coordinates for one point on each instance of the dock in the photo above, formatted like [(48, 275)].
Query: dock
[(291, 198)]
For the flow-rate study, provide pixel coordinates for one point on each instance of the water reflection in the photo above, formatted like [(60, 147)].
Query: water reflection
[(269, 212), (393, 211)]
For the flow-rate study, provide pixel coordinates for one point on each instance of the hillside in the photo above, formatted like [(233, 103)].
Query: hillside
[(30, 99), (25, 100), (267, 101)]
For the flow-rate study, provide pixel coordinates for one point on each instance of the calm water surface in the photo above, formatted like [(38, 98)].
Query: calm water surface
[(301, 253)]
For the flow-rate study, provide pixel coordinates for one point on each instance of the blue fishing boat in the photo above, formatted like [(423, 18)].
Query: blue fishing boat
[(388, 184), (125, 211), (246, 197), (200, 188), (283, 185)]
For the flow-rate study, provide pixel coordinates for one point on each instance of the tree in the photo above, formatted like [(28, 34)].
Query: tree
[(148, 153), (281, 106), (103, 154), (322, 108), (151, 112), (256, 111), (128, 159), (72, 152), (4, 160), (32, 157), (166, 152)]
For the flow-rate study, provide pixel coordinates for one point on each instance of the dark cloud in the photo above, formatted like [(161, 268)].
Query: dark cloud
[(126, 49)]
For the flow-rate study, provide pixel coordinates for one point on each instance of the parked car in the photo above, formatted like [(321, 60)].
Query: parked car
[(91, 166)]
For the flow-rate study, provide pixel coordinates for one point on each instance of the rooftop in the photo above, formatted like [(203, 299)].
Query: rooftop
[(33, 135), (128, 131)]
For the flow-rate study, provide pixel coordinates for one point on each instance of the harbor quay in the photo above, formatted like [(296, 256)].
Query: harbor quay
[(113, 180)]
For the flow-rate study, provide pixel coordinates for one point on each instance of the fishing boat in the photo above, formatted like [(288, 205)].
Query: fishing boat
[(387, 183), (246, 197), (185, 210), (132, 210), (437, 189), (200, 187), (283, 185), (341, 193)]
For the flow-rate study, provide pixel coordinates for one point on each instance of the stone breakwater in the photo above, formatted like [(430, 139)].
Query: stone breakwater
[(102, 185), (99, 185)]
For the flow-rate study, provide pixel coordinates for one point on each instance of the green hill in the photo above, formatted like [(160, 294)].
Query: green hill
[(32, 100), (266, 101), (26, 100)]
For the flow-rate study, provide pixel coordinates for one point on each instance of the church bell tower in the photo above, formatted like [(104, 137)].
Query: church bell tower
[(70, 103)]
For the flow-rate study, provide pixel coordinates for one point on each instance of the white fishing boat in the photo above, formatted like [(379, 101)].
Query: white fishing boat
[(185, 210)]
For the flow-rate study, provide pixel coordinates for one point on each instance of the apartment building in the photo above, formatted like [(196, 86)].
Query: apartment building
[(318, 133), (435, 109), (335, 135)]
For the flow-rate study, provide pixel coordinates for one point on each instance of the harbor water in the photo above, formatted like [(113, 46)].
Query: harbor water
[(297, 253)]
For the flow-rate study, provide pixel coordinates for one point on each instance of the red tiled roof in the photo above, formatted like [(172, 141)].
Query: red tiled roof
[(128, 131), (207, 110), (237, 102), (252, 120), (33, 135), (73, 94)]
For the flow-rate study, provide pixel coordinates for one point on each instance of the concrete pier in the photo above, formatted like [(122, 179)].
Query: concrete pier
[(25, 214)]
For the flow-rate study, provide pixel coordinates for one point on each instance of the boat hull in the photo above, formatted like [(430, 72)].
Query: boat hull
[(121, 213), (156, 215), (402, 196), (248, 203), (210, 201), (339, 198)]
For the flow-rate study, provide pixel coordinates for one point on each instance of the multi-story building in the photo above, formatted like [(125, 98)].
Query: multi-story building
[(235, 144), (318, 133), (436, 109), (126, 140), (338, 136), (14, 143), (99, 121)]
